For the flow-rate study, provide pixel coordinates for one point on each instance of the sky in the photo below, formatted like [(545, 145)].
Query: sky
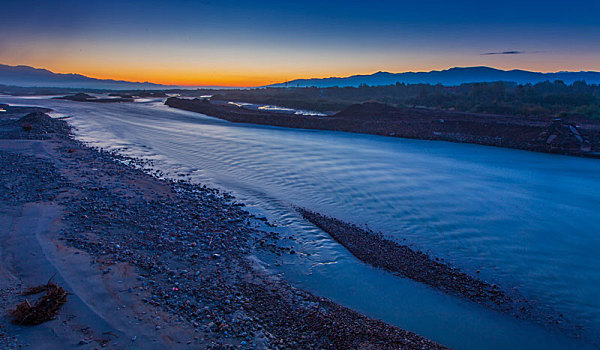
[(251, 43)]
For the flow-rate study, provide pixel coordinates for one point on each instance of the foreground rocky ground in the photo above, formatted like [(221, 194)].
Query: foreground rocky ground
[(148, 263)]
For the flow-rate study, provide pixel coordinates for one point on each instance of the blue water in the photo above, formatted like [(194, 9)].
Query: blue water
[(527, 220)]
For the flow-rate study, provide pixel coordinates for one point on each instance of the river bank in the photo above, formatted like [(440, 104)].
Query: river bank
[(375, 249), (147, 262), (574, 136)]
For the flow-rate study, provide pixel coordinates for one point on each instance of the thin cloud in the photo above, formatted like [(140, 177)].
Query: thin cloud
[(503, 53)]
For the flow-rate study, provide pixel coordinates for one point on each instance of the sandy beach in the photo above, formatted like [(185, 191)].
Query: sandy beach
[(147, 263)]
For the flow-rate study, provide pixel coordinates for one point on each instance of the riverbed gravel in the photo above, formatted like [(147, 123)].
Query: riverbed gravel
[(193, 249)]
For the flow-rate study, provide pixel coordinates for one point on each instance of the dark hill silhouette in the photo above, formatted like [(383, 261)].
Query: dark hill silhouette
[(35, 77), (452, 76)]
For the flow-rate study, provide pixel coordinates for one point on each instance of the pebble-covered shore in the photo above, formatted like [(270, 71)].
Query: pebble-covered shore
[(375, 249), (378, 251), (192, 249)]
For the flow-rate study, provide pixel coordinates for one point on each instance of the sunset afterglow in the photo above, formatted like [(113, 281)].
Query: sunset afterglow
[(257, 43)]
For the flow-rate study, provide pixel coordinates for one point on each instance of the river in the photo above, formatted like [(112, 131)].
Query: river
[(526, 220)]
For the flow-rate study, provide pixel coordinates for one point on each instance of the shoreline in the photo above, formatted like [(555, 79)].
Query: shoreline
[(148, 262), (374, 249), (565, 137)]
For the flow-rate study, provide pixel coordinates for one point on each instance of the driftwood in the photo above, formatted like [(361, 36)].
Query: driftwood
[(42, 310)]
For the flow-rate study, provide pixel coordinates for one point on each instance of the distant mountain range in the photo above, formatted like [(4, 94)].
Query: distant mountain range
[(452, 76), (33, 77)]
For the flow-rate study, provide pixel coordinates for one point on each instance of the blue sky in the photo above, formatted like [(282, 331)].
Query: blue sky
[(251, 42)]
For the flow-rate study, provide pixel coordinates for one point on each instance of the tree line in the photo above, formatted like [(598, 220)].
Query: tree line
[(551, 99)]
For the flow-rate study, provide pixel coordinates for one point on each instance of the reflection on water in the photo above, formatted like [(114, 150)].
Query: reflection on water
[(271, 108), (524, 219)]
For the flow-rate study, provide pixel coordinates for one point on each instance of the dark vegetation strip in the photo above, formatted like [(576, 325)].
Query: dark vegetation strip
[(545, 99), (548, 99)]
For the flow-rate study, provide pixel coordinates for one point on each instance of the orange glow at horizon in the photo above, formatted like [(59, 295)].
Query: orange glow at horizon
[(259, 69), (229, 43), (241, 79)]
